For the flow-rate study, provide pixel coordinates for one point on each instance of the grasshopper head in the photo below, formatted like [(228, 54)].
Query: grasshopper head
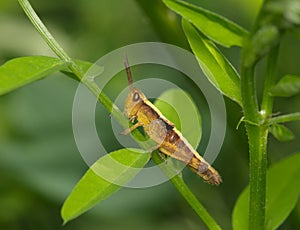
[(133, 102)]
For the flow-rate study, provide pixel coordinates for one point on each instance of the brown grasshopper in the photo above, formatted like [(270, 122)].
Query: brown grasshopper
[(163, 132)]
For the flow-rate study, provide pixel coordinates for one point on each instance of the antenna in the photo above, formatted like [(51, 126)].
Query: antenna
[(128, 72)]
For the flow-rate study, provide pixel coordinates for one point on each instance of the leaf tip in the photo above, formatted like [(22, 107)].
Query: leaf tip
[(65, 216), (65, 222)]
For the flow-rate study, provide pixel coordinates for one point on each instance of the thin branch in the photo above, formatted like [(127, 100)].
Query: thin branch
[(284, 118)]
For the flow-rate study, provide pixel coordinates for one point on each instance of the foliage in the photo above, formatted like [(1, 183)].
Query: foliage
[(95, 189), (272, 193)]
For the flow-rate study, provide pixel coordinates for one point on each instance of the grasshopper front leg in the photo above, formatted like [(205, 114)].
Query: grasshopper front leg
[(130, 129)]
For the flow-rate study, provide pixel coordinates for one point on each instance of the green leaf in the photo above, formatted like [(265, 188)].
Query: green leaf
[(283, 189), (214, 26), (22, 71), (179, 108), (215, 66), (118, 168), (281, 133), (288, 86)]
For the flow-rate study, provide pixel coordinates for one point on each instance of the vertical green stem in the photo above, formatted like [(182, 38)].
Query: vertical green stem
[(248, 90), (258, 167), (267, 101), (257, 147), (257, 134)]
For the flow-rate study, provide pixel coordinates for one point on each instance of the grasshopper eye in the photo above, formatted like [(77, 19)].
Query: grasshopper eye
[(136, 97)]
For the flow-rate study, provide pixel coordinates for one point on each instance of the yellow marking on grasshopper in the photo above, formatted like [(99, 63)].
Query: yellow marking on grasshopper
[(169, 140)]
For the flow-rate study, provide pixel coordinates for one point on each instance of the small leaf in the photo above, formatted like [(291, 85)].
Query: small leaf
[(118, 168), (215, 66), (214, 26), (179, 108), (281, 133), (283, 189), (261, 43), (288, 86), (22, 71)]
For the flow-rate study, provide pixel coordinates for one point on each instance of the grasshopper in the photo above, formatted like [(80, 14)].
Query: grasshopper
[(163, 132)]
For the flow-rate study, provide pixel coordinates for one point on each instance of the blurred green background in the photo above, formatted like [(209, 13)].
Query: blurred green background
[(39, 161)]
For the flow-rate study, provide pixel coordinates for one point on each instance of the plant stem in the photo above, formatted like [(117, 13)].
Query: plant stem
[(187, 194), (258, 169), (59, 51), (257, 136), (267, 101), (49, 39), (284, 118), (93, 87)]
